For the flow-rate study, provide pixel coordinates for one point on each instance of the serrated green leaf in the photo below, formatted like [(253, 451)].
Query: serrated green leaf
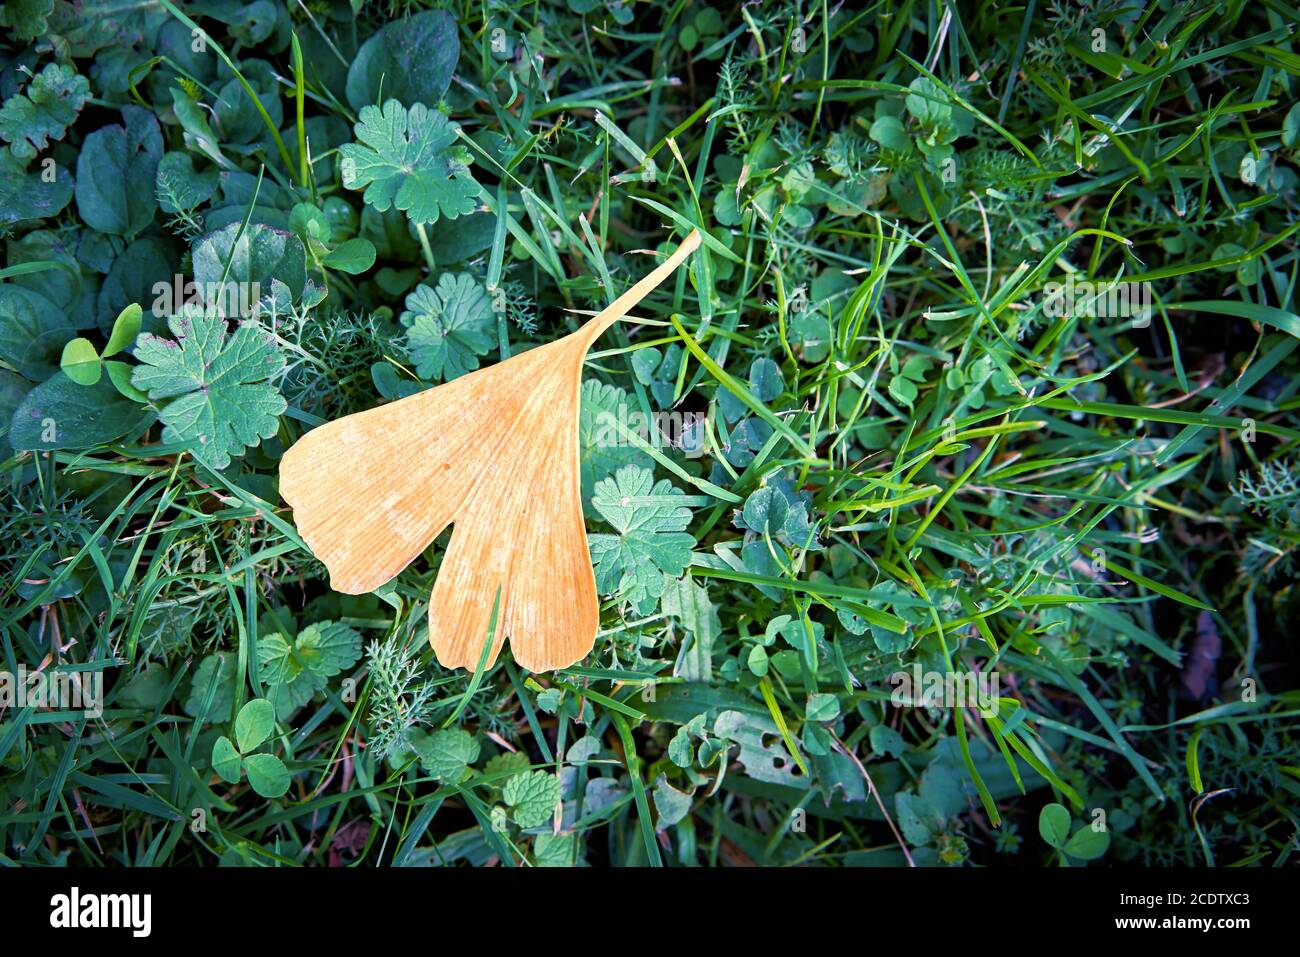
[(293, 671), (44, 111), (406, 159), (213, 386), (532, 796), (27, 18), (217, 672), (555, 850), (447, 754), (651, 541), (449, 327)]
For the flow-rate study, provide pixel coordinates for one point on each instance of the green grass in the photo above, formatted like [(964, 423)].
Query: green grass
[(905, 455)]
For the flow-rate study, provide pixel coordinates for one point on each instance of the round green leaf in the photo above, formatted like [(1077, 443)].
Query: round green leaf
[(59, 414), (888, 131), (225, 760), (822, 707), (267, 774), (354, 256), (672, 804), (447, 754), (1087, 844), (1054, 824), (532, 796), (254, 724), (80, 362), (1291, 127), (765, 510)]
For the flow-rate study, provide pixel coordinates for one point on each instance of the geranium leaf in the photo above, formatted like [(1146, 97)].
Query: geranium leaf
[(44, 111), (449, 327), (218, 398), (651, 541), (406, 159)]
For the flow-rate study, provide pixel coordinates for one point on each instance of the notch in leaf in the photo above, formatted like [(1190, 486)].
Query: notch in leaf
[(493, 453)]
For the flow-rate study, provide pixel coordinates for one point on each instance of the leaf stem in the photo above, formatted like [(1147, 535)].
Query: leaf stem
[(428, 250)]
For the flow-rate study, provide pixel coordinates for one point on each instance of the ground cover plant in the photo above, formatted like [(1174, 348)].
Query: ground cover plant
[(943, 513)]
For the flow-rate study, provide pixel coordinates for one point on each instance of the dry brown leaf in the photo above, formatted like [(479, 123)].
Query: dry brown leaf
[(494, 454)]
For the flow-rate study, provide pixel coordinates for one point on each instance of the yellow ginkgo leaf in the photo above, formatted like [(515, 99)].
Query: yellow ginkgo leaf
[(494, 454)]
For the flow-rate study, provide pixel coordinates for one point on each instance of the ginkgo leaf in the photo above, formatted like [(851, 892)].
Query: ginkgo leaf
[(449, 327), (651, 540), (495, 454), (407, 159), (213, 385), (44, 111), (294, 670)]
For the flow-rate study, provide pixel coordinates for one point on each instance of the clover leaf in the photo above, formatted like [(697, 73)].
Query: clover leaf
[(651, 540), (1088, 843), (448, 328), (406, 159), (220, 399), (295, 669), (267, 774), (254, 724)]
